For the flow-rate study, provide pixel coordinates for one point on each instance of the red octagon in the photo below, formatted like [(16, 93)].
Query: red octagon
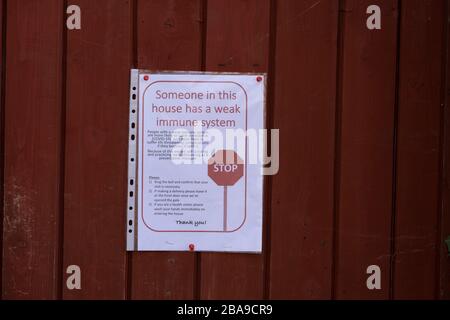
[(225, 167)]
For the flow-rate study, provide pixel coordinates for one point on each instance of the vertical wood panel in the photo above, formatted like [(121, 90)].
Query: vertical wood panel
[(444, 281), (91, 147), (169, 38), (238, 41), (32, 149), (367, 108), (2, 141), (98, 68), (304, 111), (418, 154)]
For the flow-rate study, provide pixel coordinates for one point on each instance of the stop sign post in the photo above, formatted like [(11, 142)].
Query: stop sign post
[(225, 168)]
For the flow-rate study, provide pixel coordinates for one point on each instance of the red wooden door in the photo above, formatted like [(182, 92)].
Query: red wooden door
[(364, 146)]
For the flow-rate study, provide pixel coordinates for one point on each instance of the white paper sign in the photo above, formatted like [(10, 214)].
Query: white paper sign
[(198, 161)]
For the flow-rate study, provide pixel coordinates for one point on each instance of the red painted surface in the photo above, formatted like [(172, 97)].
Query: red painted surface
[(364, 139)]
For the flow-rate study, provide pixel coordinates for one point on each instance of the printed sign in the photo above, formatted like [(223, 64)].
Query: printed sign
[(195, 168)]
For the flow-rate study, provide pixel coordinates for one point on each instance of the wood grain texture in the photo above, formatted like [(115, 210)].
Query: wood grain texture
[(364, 139), (367, 108), (304, 111), (169, 37), (444, 280), (2, 126), (99, 58), (32, 149), (418, 163), (237, 40)]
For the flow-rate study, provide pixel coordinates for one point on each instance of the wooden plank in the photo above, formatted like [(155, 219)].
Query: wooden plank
[(367, 109), (444, 281), (99, 58), (304, 111), (418, 163), (238, 41), (32, 149), (2, 126), (169, 38)]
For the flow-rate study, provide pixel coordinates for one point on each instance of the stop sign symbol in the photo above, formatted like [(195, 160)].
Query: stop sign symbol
[(225, 167)]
